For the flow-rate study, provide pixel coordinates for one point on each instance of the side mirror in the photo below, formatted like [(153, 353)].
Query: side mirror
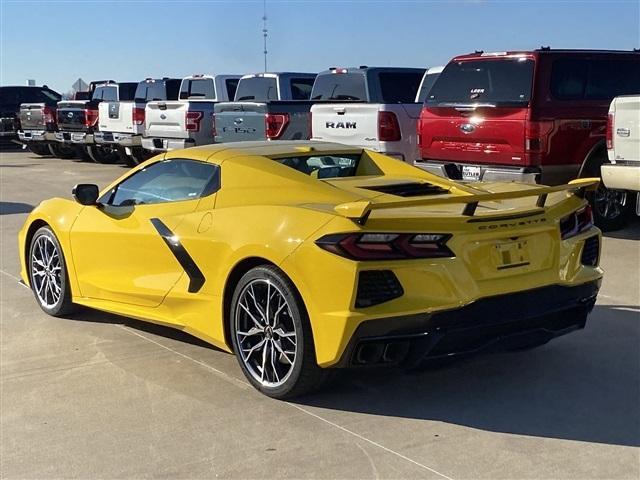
[(85, 193)]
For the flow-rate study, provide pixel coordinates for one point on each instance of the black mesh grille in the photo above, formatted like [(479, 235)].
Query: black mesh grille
[(412, 189), (377, 286), (591, 251)]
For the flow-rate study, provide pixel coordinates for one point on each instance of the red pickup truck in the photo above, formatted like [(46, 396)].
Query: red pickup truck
[(534, 116)]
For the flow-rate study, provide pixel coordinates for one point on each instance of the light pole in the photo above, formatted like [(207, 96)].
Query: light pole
[(264, 32)]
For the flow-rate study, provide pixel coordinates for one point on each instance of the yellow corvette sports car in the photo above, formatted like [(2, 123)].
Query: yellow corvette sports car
[(304, 256)]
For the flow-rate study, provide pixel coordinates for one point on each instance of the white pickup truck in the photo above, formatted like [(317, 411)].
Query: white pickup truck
[(121, 123), (623, 147), (188, 121), (368, 107)]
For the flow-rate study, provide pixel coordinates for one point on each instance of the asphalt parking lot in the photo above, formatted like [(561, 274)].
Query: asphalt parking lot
[(102, 396)]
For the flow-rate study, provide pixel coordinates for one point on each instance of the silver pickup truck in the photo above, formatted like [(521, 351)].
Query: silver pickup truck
[(187, 122), (267, 106), (121, 124)]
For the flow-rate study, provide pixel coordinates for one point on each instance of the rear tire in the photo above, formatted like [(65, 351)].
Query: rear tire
[(41, 150), (62, 151), (103, 154), (138, 156), (271, 335), (81, 153), (48, 274)]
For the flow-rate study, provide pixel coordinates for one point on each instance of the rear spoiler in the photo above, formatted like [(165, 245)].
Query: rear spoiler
[(359, 211)]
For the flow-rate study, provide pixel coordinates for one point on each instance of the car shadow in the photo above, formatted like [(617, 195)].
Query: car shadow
[(583, 387), (630, 232), (11, 208)]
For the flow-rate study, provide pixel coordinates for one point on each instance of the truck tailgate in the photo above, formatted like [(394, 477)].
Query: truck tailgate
[(238, 121), (31, 116), (71, 115), (116, 117), (166, 119), (626, 129), (350, 123)]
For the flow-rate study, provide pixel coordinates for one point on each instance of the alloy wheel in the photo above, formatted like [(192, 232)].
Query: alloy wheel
[(265, 333), (609, 203), (46, 271)]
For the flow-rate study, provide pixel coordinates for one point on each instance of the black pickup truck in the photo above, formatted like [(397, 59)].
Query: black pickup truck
[(78, 119), (11, 97)]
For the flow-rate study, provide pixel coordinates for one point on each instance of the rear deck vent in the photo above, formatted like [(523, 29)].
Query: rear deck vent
[(413, 189), (590, 252)]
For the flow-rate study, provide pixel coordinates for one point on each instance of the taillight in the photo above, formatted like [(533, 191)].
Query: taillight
[(535, 136), (48, 115), (192, 121), (388, 127), (274, 124), (386, 246), (610, 120), (214, 132), (137, 115), (90, 117), (576, 222)]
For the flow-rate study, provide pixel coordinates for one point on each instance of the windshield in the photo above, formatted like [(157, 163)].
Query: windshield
[(258, 89), (323, 166), (505, 82)]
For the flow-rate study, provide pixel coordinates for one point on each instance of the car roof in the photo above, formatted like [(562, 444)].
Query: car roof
[(542, 51), (220, 152)]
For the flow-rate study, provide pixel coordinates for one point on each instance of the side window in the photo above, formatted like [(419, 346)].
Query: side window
[(569, 79), (610, 78), (171, 180), (301, 88)]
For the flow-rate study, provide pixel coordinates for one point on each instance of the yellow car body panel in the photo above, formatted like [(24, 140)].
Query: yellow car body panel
[(268, 212)]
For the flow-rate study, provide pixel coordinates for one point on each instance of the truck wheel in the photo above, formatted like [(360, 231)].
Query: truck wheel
[(271, 335), (62, 151), (41, 150), (105, 155), (81, 153), (611, 208), (138, 155)]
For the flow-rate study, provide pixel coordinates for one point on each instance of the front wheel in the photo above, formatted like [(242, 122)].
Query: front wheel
[(271, 335), (48, 274)]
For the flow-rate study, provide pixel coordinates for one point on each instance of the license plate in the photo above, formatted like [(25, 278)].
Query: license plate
[(66, 136), (511, 254), (470, 172), (108, 137)]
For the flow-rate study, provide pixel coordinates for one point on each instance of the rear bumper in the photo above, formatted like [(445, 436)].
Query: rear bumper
[(621, 176), (27, 136), (491, 323), (116, 138), (82, 138), (166, 144), (547, 175)]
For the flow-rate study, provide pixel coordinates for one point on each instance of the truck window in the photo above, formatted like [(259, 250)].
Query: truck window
[(427, 85), (258, 89), (339, 86), (108, 93), (127, 91), (198, 88), (154, 90), (301, 88), (504, 82), (400, 87), (578, 79), (232, 86), (11, 97), (171, 89)]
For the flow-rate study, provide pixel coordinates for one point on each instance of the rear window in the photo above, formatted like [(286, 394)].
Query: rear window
[(301, 88), (12, 97), (232, 86), (505, 82), (107, 93), (427, 85), (153, 90), (340, 86), (323, 166), (399, 87), (258, 89), (198, 88), (587, 79)]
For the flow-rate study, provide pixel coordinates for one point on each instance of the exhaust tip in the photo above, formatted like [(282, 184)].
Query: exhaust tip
[(370, 352)]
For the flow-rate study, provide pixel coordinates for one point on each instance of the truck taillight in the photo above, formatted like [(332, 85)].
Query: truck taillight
[(48, 115), (192, 121), (213, 125), (275, 123), (610, 120), (90, 118), (536, 135), (388, 127), (137, 115)]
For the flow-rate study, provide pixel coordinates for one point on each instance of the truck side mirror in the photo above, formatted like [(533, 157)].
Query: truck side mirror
[(86, 193)]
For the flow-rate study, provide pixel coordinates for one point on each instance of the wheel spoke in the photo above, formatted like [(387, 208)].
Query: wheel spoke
[(284, 353), (273, 363), (252, 331), (255, 348), (264, 361), (254, 319)]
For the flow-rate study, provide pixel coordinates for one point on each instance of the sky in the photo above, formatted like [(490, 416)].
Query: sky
[(57, 41)]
